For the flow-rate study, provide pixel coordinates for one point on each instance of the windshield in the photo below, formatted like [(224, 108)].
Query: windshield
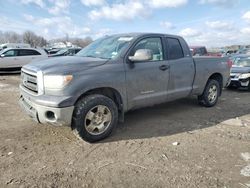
[(106, 48), (245, 62), (3, 50), (62, 51)]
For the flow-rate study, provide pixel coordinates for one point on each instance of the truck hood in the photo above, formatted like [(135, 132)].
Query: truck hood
[(235, 69), (65, 64)]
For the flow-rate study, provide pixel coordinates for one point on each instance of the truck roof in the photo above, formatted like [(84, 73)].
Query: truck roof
[(138, 34)]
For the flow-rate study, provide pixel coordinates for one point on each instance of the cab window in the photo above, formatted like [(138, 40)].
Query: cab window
[(174, 49), (153, 44)]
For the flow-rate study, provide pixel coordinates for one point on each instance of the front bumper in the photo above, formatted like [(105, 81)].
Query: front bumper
[(240, 82), (46, 114)]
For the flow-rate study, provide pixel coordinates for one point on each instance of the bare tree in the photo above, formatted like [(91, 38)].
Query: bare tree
[(10, 37), (81, 42), (34, 40), (31, 38)]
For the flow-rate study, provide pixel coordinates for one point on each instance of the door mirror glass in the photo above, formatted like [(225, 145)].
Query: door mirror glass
[(142, 55)]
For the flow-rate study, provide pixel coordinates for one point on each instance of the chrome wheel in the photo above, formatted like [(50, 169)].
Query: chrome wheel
[(212, 93), (98, 120)]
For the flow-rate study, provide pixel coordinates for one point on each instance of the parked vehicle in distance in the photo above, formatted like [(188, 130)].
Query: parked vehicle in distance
[(199, 50), (229, 53), (92, 90), (240, 73), (236, 57), (215, 54), (53, 51), (12, 59), (244, 51), (66, 52), (14, 45)]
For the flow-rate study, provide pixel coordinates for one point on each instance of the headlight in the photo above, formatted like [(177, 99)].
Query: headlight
[(56, 81), (244, 76)]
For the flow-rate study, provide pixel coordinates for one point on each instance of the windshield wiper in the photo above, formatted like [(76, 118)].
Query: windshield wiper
[(89, 56), (95, 57)]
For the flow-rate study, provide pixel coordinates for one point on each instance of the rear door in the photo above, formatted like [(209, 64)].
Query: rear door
[(27, 56), (24, 56), (182, 70), (36, 55), (147, 81)]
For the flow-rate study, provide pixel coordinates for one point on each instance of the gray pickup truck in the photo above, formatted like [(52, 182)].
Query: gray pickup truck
[(92, 90)]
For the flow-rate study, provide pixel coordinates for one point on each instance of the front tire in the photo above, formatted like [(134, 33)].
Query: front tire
[(94, 117), (211, 94)]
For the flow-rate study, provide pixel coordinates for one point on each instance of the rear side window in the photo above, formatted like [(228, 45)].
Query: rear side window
[(198, 51), (28, 52), (174, 49), (203, 51)]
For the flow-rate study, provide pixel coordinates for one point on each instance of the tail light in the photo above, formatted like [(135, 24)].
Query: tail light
[(229, 63)]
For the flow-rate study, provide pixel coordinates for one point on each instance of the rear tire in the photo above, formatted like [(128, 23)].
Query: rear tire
[(211, 94), (94, 117)]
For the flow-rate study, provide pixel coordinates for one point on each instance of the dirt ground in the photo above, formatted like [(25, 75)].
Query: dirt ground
[(213, 147)]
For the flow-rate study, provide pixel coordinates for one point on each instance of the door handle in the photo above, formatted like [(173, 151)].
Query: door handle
[(164, 67)]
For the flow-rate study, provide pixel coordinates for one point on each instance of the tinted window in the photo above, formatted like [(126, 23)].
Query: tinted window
[(174, 49), (153, 44), (203, 51), (10, 53), (198, 51), (71, 52), (28, 52), (78, 50)]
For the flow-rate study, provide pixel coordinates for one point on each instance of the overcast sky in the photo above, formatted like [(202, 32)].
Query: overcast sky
[(201, 22)]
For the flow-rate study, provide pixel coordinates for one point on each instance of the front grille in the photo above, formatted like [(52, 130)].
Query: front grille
[(29, 81)]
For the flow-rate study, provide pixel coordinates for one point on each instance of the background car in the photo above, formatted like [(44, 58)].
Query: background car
[(51, 51), (240, 73), (229, 53), (12, 59), (234, 58), (244, 51), (66, 52), (198, 50)]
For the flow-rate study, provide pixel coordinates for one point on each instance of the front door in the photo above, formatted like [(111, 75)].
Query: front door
[(147, 81), (9, 59)]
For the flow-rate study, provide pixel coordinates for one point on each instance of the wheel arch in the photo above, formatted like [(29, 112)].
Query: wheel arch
[(218, 77), (111, 93)]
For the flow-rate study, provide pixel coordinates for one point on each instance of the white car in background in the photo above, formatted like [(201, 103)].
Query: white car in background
[(12, 59)]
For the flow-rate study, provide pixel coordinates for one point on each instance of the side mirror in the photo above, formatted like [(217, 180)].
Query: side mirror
[(141, 55), (2, 55)]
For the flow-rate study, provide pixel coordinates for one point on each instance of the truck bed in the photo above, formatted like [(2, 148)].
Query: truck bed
[(205, 66)]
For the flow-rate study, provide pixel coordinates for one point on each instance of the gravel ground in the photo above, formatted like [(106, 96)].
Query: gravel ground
[(212, 147)]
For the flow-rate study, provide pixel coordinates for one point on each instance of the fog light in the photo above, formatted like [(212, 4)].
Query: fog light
[(50, 115)]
